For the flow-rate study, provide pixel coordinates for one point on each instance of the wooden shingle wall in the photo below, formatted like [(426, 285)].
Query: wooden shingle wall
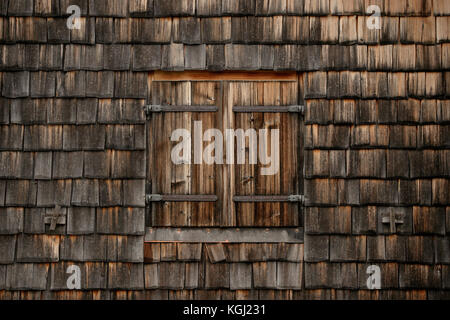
[(377, 143)]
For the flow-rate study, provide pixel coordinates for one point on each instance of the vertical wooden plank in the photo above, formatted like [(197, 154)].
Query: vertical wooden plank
[(149, 156), (181, 179), (300, 146), (157, 183), (203, 179), (245, 182), (289, 174), (163, 169), (221, 90), (258, 122), (228, 176), (270, 212)]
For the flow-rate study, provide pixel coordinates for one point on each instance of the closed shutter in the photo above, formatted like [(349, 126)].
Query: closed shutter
[(192, 195), (265, 200), (189, 191)]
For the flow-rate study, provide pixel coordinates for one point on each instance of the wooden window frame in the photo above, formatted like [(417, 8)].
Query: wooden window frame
[(227, 234)]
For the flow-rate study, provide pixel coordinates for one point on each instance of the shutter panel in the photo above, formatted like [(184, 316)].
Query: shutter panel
[(182, 194), (267, 200)]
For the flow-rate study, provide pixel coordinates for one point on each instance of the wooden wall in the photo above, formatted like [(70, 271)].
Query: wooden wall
[(377, 138)]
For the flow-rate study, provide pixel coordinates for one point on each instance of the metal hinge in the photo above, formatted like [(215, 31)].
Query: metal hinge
[(297, 198), (153, 198), (149, 108), (297, 109)]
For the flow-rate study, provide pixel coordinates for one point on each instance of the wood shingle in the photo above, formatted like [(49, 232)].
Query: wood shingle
[(27, 276)]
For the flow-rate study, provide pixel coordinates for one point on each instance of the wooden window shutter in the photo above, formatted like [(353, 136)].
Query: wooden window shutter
[(194, 196)]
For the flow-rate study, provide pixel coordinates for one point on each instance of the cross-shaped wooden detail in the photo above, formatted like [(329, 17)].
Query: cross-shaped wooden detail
[(55, 217), (393, 219)]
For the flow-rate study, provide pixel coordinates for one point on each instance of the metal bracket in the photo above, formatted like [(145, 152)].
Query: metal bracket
[(296, 198), (149, 108), (153, 198)]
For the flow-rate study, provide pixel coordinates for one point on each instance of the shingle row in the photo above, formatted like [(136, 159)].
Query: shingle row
[(233, 266), (37, 248), (379, 111), (332, 192), (75, 84), (80, 111), (222, 252), (233, 276), (367, 220), (225, 294), (379, 248), (354, 276), (80, 221), (150, 8), (377, 136), (343, 30), (378, 163), (74, 138), (78, 193), (375, 85), (331, 85), (120, 57)]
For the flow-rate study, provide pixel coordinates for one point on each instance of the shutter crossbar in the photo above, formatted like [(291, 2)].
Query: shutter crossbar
[(273, 109), (270, 198), (149, 109), (180, 198)]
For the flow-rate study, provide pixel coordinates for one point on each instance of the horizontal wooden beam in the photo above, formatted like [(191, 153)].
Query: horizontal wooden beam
[(228, 235), (224, 76)]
